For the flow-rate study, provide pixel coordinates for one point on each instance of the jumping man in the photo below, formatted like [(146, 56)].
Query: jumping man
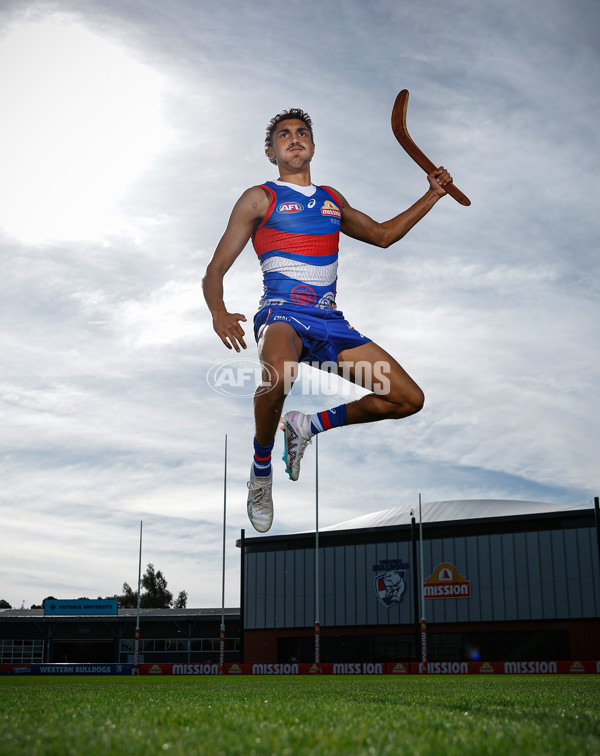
[(295, 226)]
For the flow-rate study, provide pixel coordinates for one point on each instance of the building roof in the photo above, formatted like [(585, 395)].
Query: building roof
[(123, 614), (448, 511)]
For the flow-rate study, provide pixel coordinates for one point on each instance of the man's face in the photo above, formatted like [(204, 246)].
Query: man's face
[(291, 142)]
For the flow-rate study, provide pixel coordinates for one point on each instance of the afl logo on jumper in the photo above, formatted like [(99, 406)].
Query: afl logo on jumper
[(290, 207)]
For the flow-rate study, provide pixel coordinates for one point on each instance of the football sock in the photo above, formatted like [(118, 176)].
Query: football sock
[(332, 418), (262, 459)]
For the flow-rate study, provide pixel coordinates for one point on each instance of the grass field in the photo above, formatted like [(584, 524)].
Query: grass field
[(439, 715)]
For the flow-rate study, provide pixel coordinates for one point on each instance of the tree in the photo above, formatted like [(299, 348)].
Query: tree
[(181, 602), (5, 605), (129, 598), (155, 594)]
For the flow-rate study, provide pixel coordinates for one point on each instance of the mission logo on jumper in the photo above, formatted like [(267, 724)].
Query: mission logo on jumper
[(290, 207), (389, 586), (330, 208)]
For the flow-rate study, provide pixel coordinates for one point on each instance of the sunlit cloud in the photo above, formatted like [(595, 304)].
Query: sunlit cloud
[(81, 121)]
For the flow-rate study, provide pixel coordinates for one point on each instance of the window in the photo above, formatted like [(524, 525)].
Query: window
[(177, 646), (21, 651)]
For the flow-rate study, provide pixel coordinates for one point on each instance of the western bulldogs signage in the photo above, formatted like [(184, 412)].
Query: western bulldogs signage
[(390, 587), (390, 580)]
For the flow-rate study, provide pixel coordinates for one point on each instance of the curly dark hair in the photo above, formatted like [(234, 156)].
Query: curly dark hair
[(286, 115)]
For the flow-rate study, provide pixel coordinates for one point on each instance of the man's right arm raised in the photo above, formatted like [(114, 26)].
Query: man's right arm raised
[(247, 213)]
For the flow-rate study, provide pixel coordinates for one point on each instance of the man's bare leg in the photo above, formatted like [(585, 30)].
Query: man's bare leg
[(395, 395), (279, 349)]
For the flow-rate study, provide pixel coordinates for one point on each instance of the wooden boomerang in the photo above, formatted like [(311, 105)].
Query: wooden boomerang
[(402, 135)]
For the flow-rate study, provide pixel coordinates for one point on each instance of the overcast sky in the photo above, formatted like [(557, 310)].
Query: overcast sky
[(128, 131)]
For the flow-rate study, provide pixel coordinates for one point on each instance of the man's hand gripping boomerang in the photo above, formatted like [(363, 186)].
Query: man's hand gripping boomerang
[(402, 135)]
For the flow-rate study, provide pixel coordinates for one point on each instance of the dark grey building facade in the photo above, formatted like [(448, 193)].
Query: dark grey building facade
[(503, 580)]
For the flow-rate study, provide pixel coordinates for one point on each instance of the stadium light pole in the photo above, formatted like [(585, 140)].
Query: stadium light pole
[(597, 519), (422, 575), (222, 631), (136, 651), (415, 580), (317, 624)]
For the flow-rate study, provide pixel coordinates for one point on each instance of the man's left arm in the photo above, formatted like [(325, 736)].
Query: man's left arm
[(360, 226)]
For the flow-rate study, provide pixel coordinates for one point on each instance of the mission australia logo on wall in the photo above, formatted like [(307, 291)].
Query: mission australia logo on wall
[(390, 581)]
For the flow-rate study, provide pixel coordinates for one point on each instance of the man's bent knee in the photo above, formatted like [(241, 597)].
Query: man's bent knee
[(410, 405), (417, 402)]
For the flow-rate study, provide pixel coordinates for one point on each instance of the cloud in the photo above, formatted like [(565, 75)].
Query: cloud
[(108, 418)]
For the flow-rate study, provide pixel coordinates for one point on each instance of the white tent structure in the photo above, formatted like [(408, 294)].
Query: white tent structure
[(450, 511)]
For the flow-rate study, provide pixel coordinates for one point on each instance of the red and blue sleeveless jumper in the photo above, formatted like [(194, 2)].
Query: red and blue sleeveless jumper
[(297, 246)]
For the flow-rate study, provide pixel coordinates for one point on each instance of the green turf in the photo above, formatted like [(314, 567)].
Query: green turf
[(301, 715)]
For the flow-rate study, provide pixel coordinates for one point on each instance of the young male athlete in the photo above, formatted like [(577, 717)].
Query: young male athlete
[(295, 226)]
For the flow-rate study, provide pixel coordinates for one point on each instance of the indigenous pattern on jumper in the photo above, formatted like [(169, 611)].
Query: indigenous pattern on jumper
[(297, 246)]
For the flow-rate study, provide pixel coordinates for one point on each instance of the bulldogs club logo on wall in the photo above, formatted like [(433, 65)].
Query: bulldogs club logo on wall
[(390, 586)]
